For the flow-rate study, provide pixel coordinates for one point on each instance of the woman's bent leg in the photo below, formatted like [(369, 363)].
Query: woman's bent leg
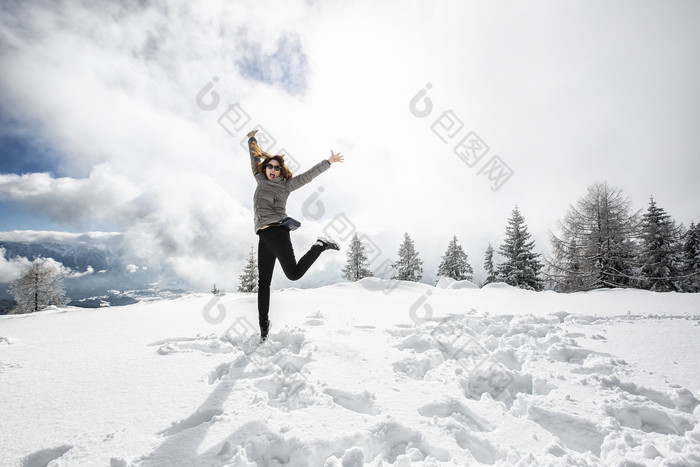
[(280, 243)]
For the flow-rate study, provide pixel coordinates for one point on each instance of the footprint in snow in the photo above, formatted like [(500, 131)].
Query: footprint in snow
[(284, 352), (416, 366), (402, 331), (200, 417), (287, 391), (483, 451), (500, 382), (650, 419), (45, 456), (399, 444), (361, 403), (576, 433), (210, 344), (315, 322), (682, 399), (456, 411), (316, 319), (562, 352), (9, 366), (599, 365)]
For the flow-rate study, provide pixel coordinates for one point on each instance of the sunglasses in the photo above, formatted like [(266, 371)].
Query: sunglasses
[(276, 168)]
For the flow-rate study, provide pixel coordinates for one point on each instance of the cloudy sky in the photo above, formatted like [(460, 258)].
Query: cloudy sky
[(130, 117)]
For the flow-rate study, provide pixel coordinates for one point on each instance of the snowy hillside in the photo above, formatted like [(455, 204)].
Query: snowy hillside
[(357, 374)]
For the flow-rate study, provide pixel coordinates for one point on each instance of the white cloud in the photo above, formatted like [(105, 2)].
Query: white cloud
[(11, 269), (102, 196), (562, 102), (70, 274)]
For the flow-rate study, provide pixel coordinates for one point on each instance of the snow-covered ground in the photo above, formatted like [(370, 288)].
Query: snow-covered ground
[(357, 374)]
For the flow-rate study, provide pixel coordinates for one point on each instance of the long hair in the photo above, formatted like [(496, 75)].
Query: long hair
[(266, 158)]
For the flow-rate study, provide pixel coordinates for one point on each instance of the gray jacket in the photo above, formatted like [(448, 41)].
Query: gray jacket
[(270, 197)]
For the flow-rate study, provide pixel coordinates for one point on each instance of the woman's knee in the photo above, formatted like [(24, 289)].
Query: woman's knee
[(293, 275)]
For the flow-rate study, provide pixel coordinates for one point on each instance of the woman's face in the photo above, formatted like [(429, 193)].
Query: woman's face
[(272, 169)]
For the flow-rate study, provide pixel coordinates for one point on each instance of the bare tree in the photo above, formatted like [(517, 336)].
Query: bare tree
[(596, 246), (40, 285)]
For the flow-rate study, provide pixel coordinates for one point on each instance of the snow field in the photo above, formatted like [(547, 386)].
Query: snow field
[(357, 374)]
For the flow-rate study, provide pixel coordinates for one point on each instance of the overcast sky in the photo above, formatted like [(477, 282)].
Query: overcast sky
[(131, 118)]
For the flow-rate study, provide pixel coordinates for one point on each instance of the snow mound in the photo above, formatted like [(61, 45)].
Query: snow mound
[(449, 283), (387, 286), (462, 285), (500, 286), (444, 282)]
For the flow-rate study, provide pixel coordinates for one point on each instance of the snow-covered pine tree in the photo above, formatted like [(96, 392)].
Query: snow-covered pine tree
[(690, 259), (40, 285), (357, 266), (214, 290), (521, 267), (491, 275), (409, 266), (659, 251), (455, 263), (249, 278), (596, 246)]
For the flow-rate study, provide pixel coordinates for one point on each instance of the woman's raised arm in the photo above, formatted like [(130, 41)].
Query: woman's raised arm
[(254, 151), (301, 180)]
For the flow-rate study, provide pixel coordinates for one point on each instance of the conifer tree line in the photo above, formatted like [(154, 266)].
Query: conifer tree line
[(599, 243), (521, 267)]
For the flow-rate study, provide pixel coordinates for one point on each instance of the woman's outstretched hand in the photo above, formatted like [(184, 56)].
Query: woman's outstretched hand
[(252, 134), (335, 157)]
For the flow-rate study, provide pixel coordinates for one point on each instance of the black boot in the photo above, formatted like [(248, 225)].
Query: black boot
[(327, 244), (264, 329)]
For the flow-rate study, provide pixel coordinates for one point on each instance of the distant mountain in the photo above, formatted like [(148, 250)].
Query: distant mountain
[(77, 257), (102, 272)]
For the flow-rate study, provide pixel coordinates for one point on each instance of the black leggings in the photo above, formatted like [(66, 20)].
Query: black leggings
[(274, 243)]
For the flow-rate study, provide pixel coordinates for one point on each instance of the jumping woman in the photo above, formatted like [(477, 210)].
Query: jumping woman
[(272, 225)]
